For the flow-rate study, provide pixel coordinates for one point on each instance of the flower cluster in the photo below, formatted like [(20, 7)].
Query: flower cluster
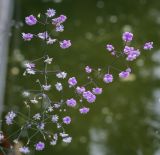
[(55, 111)]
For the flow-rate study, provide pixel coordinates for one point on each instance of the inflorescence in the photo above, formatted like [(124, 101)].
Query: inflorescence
[(50, 112)]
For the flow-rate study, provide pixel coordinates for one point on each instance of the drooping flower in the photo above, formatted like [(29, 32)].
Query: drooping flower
[(61, 75), (65, 44), (37, 116), (88, 69), (67, 120), (127, 36), (31, 20), (24, 150), (10, 117), (108, 78), (50, 12), (50, 41), (59, 20), (84, 110), (89, 96), (125, 74), (46, 87), (59, 86), (71, 102), (67, 139), (148, 46), (43, 35), (59, 28), (80, 90), (55, 118), (27, 36), (40, 146), (72, 81), (97, 91), (109, 47)]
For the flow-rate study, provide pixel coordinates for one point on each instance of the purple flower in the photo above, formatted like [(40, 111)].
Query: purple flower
[(127, 36), (59, 28), (50, 12), (109, 47), (30, 65), (55, 118), (65, 44), (128, 49), (108, 78), (59, 20), (27, 36), (72, 81), (80, 90), (67, 120), (89, 96), (84, 110), (97, 91), (88, 69), (43, 35), (148, 46), (31, 20), (132, 55), (46, 87), (40, 146), (71, 102), (125, 74), (24, 150), (10, 117)]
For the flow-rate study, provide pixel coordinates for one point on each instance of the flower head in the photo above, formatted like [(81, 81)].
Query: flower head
[(65, 44), (109, 47), (67, 120), (24, 150), (84, 110), (108, 78), (89, 96), (27, 36), (125, 74), (10, 117), (97, 91), (40, 146), (31, 20), (148, 46), (80, 90), (88, 69), (50, 12), (72, 81), (59, 20), (59, 86), (71, 102), (127, 36)]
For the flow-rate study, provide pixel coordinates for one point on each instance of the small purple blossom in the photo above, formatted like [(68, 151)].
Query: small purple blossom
[(27, 36), (40, 146), (59, 20), (71, 102), (31, 20), (67, 120), (84, 110), (50, 12), (43, 35), (24, 150), (127, 36), (88, 69), (89, 96), (55, 118), (148, 46), (108, 78), (10, 117), (132, 55), (29, 65), (72, 81), (46, 87), (80, 90), (97, 91), (109, 47), (125, 74), (59, 28), (65, 44)]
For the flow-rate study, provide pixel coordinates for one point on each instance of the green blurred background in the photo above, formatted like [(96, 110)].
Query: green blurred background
[(125, 118)]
